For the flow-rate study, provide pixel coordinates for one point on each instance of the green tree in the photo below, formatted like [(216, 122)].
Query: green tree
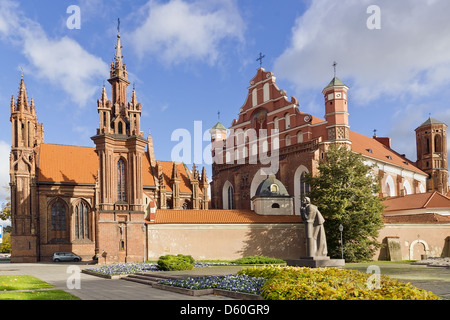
[(347, 193), (5, 213), (6, 245)]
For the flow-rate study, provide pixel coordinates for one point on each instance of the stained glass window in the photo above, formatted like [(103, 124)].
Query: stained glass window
[(81, 221), (58, 212)]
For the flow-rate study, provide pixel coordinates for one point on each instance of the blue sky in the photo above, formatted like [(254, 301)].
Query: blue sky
[(189, 59)]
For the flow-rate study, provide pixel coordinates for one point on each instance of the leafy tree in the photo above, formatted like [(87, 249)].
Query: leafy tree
[(5, 213), (6, 245), (347, 193)]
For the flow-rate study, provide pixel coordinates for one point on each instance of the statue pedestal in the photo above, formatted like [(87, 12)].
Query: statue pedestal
[(316, 262)]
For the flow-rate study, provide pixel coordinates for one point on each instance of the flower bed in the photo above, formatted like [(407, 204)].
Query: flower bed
[(297, 283), (131, 268), (238, 283)]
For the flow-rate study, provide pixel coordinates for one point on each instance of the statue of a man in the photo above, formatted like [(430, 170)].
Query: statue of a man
[(315, 232)]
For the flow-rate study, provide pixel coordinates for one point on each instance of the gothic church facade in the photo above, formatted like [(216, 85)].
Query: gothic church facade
[(95, 202)]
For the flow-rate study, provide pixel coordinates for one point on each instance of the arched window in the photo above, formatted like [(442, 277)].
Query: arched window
[(230, 197), (288, 140), (275, 123), (438, 143), (274, 188), (266, 92), (299, 137), (58, 212), (254, 97), (427, 145), (287, 119), (81, 222), (121, 180), (120, 127)]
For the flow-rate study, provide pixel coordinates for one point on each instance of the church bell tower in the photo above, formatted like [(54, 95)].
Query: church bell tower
[(120, 146), (336, 112), (431, 139)]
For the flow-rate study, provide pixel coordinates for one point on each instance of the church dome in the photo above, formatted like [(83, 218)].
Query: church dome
[(271, 187)]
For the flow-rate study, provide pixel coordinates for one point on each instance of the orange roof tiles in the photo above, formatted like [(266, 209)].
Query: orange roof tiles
[(372, 148), (429, 200), (183, 174), (61, 163), (147, 175), (73, 164), (213, 216), (426, 218)]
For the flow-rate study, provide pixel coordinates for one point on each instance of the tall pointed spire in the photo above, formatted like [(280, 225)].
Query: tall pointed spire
[(22, 100), (119, 75), (118, 56)]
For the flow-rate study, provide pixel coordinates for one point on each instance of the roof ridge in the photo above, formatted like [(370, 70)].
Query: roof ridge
[(66, 145), (429, 199)]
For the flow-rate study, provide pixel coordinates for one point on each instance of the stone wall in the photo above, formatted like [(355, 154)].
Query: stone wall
[(226, 241), (416, 240)]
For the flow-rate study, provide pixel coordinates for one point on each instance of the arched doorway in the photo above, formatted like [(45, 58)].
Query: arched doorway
[(417, 249)]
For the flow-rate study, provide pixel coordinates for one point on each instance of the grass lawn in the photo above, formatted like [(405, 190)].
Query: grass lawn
[(37, 295), (9, 284)]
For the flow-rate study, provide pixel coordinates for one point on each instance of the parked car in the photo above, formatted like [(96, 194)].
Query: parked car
[(65, 256)]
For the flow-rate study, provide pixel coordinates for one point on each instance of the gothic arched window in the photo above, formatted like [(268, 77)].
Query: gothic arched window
[(121, 180), (230, 197), (58, 212), (81, 222)]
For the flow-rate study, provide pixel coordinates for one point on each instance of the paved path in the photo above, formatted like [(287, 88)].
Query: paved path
[(93, 287)]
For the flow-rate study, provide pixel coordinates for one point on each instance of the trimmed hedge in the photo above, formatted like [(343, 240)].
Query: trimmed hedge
[(258, 260), (298, 283), (175, 262)]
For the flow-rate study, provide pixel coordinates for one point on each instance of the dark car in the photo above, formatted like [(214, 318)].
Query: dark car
[(65, 256)]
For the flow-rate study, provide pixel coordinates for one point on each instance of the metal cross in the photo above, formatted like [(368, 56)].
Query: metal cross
[(118, 25), (261, 56), (334, 66), (218, 115)]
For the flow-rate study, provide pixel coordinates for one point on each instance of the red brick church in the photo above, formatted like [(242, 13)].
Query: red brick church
[(92, 201), (115, 202)]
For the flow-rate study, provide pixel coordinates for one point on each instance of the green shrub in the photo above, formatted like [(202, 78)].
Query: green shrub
[(175, 262), (258, 260), (296, 283)]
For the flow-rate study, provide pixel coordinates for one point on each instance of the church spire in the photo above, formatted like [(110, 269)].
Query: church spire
[(119, 76), (22, 100)]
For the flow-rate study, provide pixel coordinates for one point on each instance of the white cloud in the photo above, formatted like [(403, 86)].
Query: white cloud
[(409, 55), (65, 63), (4, 170), (177, 31), (62, 61)]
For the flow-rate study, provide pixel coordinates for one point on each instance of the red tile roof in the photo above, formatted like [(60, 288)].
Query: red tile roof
[(428, 200), (61, 163), (183, 175), (214, 216), (426, 218), (73, 164), (371, 148)]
